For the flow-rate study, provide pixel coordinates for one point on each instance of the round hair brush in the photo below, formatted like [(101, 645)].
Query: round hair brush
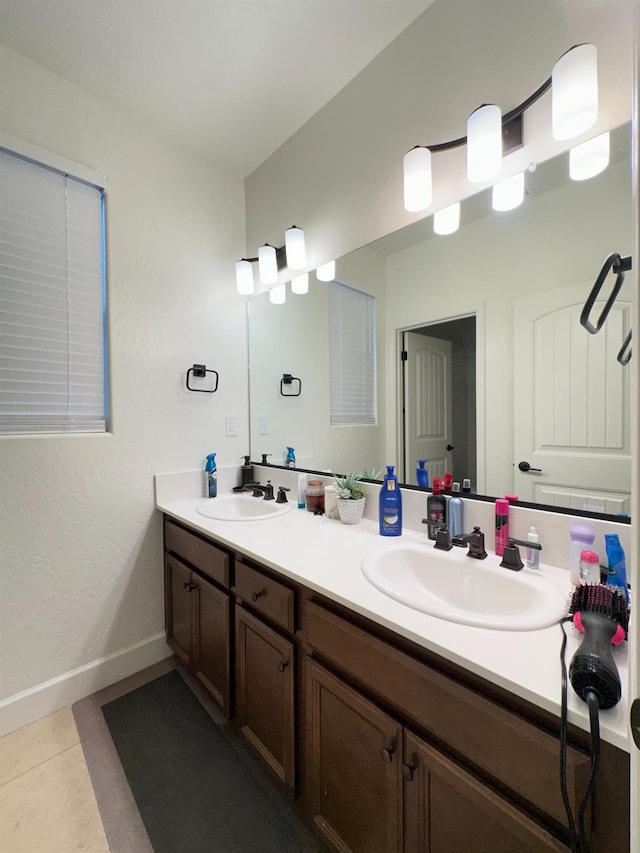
[(602, 615)]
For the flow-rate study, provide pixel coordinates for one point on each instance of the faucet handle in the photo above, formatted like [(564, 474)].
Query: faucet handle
[(282, 497), (443, 542), (511, 558)]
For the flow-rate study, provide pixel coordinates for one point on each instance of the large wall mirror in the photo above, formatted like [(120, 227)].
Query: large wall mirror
[(481, 362)]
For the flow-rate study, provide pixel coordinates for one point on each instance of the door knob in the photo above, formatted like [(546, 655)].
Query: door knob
[(449, 448), (525, 467), (283, 665)]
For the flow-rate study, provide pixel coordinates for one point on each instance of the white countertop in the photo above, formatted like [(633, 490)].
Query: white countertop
[(325, 556)]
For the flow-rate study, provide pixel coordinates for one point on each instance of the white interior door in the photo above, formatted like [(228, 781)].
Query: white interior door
[(427, 404), (572, 408)]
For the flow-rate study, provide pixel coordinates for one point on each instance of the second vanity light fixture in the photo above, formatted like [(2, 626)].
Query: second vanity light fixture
[(574, 91), (271, 260)]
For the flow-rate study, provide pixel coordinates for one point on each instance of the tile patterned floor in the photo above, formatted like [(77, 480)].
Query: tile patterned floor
[(47, 804)]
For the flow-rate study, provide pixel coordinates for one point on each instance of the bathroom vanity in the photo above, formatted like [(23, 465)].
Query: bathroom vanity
[(389, 730)]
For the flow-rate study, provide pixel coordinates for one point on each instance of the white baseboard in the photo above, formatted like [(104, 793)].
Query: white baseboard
[(38, 701)]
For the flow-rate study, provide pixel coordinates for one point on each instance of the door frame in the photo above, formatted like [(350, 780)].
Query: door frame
[(395, 378)]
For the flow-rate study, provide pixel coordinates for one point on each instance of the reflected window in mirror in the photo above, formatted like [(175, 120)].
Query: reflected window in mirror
[(352, 356)]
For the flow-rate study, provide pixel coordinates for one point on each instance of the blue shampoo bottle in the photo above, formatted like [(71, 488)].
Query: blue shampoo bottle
[(390, 508)]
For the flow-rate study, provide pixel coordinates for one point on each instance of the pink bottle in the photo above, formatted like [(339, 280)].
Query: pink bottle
[(502, 525)]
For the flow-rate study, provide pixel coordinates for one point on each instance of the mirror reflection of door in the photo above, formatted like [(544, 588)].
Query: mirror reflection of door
[(572, 408), (439, 399)]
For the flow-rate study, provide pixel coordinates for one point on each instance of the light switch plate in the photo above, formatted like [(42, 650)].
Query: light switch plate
[(263, 425), (231, 426)]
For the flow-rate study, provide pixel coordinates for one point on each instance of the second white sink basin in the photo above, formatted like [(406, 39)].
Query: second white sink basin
[(457, 588), (241, 507)]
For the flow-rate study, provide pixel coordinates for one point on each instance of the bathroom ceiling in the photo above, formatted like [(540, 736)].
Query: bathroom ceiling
[(230, 79)]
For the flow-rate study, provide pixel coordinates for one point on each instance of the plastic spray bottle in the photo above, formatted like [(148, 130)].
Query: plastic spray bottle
[(212, 476), (290, 461)]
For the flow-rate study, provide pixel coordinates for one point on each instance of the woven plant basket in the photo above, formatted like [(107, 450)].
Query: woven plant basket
[(350, 511)]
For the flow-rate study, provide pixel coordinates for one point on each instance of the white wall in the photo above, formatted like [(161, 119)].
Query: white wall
[(81, 574)]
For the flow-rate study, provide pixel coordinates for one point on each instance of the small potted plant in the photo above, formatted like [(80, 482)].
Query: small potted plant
[(350, 499)]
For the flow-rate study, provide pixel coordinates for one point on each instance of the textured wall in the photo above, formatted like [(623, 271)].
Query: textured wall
[(81, 570)]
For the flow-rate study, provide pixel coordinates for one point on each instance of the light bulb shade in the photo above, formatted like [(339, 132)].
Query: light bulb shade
[(484, 143), (278, 294), (295, 248), (267, 264), (244, 278), (447, 220), (574, 91), (589, 158), (326, 272), (300, 284), (418, 185), (508, 194)]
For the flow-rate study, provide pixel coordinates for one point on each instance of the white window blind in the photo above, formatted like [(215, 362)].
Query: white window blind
[(352, 356), (52, 301)]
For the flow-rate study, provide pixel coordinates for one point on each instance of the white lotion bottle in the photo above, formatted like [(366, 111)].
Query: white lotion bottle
[(533, 555)]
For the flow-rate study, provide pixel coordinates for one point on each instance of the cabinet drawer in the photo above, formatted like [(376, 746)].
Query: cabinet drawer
[(265, 595), (498, 742), (203, 555)]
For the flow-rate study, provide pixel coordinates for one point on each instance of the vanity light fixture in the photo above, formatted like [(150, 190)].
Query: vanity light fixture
[(326, 272), (244, 277), (300, 284), (508, 194), (295, 248), (589, 158), (491, 134), (278, 294), (447, 220), (271, 261), (484, 143), (574, 91), (267, 264)]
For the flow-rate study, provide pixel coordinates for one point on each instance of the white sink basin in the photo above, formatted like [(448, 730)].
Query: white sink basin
[(457, 588), (241, 507)]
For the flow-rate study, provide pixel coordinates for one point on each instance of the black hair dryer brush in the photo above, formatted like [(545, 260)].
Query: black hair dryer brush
[(601, 614)]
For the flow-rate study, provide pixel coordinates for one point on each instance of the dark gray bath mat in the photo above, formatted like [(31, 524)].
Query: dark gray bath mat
[(196, 789)]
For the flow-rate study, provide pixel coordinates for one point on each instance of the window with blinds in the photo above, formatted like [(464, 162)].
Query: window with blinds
[(352, 348), (52, 300)]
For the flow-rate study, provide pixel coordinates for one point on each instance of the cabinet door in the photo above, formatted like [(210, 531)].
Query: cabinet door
[(353, 766), (264, 693), (447, 809), (179, 609), (211, 662)]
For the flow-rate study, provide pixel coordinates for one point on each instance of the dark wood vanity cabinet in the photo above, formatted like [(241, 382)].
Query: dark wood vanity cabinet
[(387, 747), (265, 703), (197, 612), (266, 659)]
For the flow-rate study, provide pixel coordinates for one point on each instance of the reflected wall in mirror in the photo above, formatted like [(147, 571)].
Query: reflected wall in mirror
[(545, 392)]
